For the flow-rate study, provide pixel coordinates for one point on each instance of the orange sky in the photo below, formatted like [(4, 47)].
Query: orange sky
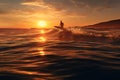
[(27, 13)]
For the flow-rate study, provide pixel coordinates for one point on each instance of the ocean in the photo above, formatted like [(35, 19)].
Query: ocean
[(52, 54)]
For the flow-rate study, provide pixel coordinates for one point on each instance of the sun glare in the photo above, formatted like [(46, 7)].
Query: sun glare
[(42, 24)]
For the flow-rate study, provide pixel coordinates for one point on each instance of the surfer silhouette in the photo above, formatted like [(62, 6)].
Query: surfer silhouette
[(61, 26)]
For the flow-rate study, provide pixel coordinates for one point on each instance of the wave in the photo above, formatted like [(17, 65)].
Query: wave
[(80, 34)]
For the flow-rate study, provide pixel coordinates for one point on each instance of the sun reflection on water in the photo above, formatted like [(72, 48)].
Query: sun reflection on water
[(42, 39), (42, 52), (42, 31)]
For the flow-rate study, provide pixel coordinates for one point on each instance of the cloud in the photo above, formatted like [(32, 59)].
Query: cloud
[(31, 10), (57, 5), (2, 11), (31, 3), (79, 8), (81, 5), (3, 4)]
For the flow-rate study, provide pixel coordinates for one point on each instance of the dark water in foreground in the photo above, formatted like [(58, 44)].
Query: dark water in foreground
[(56, 55)]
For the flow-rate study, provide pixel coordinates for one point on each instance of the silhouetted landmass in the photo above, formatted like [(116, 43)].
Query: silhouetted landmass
[(108, 24)]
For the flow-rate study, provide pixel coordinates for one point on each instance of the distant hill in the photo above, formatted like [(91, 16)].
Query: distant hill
[(114, 24)]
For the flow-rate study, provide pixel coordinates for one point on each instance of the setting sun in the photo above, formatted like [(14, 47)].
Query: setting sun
[(42, 24)]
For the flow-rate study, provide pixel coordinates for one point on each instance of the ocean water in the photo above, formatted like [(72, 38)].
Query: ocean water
[(51, 54)]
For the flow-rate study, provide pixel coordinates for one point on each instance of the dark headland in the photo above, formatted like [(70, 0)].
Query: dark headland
[(112, 24)]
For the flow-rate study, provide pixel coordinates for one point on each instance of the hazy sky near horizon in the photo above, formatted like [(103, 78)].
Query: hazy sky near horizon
[(26, 13)]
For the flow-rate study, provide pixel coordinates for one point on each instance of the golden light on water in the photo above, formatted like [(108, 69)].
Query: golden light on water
[(42, 24), (42, 52), (42, 39), (42, 31)]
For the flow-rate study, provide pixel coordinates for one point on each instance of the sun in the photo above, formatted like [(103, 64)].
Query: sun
[(42, 24)]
